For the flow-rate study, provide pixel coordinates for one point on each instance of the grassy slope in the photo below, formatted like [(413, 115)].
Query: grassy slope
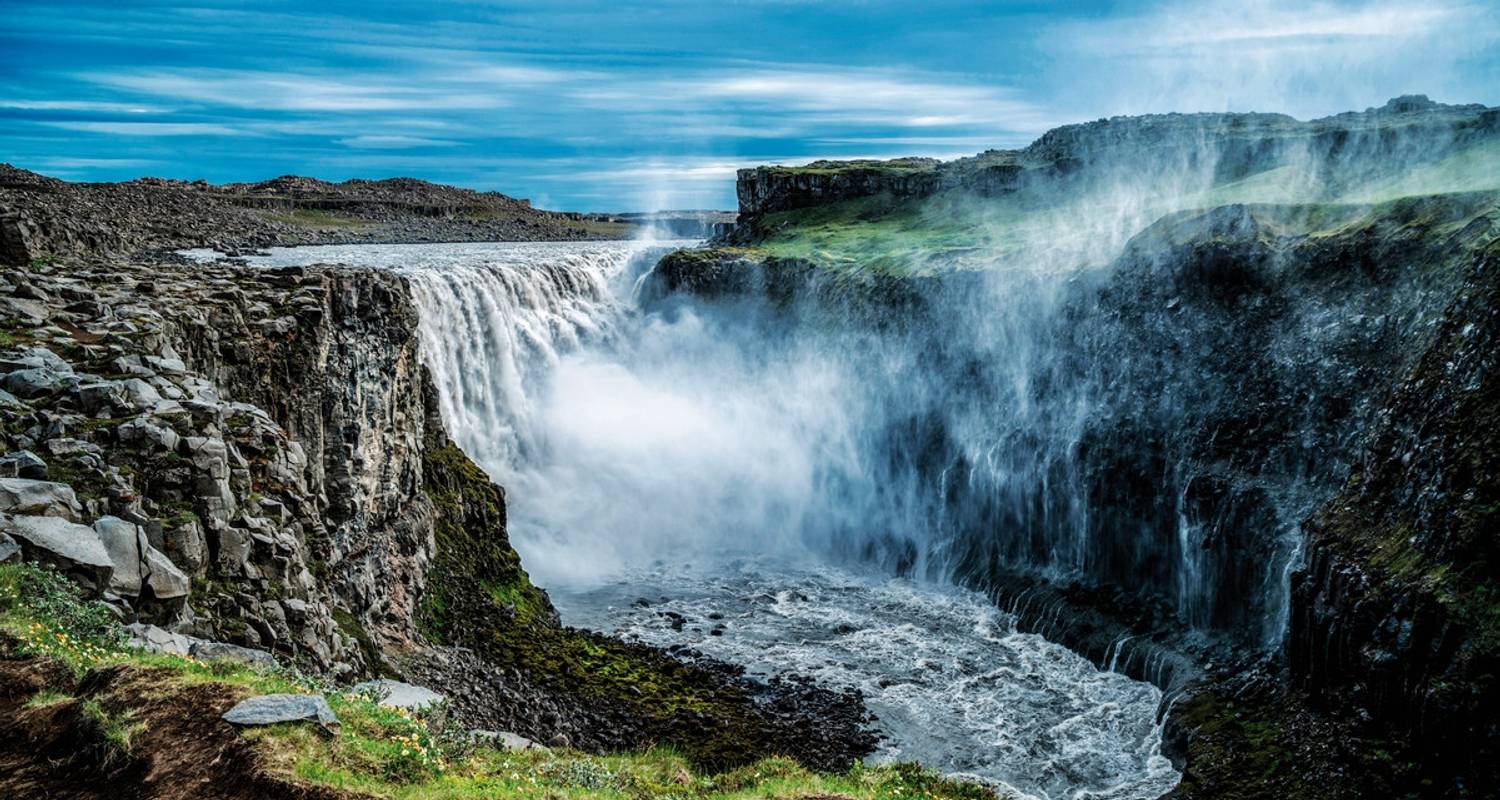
[(378, 751)]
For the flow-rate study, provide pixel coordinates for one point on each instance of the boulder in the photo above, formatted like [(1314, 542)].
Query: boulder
[(126, 545), (101, 396), (505, 740), (152, 639), (23, 464), (165, 580), (395, 694), (10, 550), (272, 709), (35, 382), (215, 651), (138, 564), (41, 498), (61, 542)]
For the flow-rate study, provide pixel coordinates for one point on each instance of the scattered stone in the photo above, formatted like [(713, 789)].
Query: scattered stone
[(153, 639), (68, 543), (33, 383), (42, 498)]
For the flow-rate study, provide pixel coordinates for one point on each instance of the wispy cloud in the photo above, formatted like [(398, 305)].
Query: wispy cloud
[(151, 128), (394, 142), (294, 91)]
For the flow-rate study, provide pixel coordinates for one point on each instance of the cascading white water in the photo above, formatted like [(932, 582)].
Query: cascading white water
[(721, 459)]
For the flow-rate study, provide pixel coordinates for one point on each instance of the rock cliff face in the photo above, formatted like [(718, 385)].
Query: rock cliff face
[(1396, 610)]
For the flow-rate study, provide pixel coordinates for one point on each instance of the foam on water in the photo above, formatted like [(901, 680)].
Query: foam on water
[(953, 684)]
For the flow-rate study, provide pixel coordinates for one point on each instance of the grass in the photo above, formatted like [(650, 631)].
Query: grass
[(390, 753)]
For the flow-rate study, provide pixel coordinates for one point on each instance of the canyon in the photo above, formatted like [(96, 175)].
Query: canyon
[(1205, 399)]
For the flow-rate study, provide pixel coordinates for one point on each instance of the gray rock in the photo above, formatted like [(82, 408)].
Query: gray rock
[(212, 651), (35, 382), (67, 541), (271, 709), (36, 358), (8, 400), (102, 396), (10, 550), (44, 498), (395, 694), (140, 394), (137, 564), (23, 464), (72, 447), (143, 431), (126, 545), (158, 640), (506, 740), (166, 581)]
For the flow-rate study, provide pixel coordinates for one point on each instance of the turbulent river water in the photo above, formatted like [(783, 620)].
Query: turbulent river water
[(663, 471)]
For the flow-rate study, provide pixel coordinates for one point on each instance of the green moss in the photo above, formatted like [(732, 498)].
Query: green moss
[(351, 628)]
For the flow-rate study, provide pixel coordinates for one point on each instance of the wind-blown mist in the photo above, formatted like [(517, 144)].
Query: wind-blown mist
[(1125, 392)]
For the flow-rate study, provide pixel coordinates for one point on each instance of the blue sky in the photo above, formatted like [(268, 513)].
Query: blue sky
[(614, 105)]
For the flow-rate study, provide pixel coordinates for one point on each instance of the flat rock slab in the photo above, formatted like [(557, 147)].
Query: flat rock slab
[(273, 709), (395, 694)]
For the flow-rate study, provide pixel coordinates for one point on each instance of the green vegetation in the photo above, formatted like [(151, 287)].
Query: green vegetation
[(378, 751), (896, 166)]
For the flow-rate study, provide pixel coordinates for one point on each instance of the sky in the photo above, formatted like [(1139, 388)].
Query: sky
[(611, 106)]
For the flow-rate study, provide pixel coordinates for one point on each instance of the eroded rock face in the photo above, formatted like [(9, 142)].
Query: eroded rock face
[(211, 518), (1395, 611)]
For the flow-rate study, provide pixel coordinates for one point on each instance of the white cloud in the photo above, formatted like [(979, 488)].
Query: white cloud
[(82, 105), (814, 95), (378, 142), (289, 91), (150, 128)]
